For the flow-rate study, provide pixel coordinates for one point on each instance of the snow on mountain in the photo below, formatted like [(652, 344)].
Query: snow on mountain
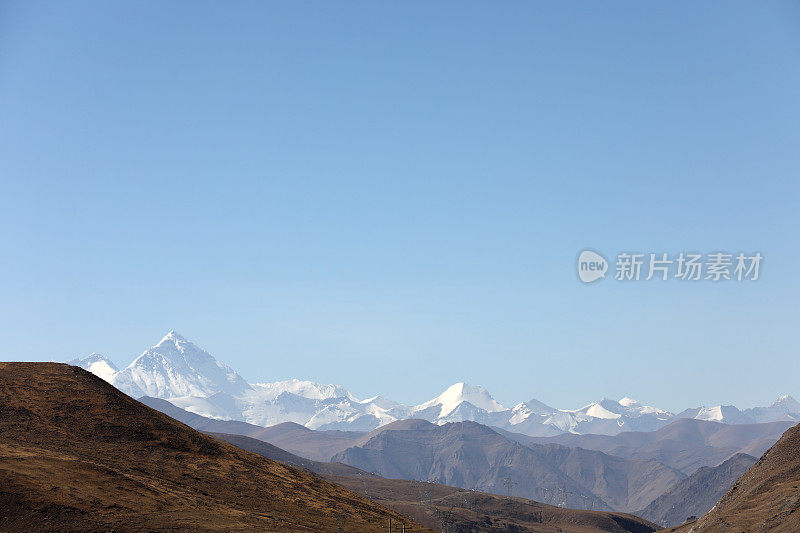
[(603, 409), (606, 417), (191, 378), (97, 364), (306, 389), (534, 406), (175, 367), (353, 416), (625, 409), (720, 413), (453, 402), (784, 408), (788, 403)]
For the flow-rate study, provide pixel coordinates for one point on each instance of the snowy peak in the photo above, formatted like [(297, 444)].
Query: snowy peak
[(99, 365), (383, 403), (784, 408), (629, 402), (175, 367), (173, 337), (626, 407), (606, 409), (538, 407), (176, 347), (529, 410), (788, 403), (305, 389), (727, 414), (452, 398)]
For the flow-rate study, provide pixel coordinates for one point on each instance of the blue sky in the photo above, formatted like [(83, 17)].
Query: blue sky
[(392, 196)]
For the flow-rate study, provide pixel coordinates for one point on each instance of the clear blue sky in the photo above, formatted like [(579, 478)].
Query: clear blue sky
[(391, 196)]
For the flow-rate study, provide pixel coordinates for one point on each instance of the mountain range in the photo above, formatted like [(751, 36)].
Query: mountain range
[(473, 456), (177, 370), (638, 470)]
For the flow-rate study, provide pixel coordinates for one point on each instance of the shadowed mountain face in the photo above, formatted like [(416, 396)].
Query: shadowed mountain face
[(316, 445), (625, 484), (473, 456), (78, 455), (698, 493), (684, 444), (439, 506), (765, 498), (269, 451)]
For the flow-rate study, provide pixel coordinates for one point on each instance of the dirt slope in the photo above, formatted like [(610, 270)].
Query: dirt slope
[(76, 454), (463, 511)]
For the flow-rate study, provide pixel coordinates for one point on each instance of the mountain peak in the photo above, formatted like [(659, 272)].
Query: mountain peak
[(172, 336), (788, 402), (176, 367), (97, 364), (457, 388), (459, 393)]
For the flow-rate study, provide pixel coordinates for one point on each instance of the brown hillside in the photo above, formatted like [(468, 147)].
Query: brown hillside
[(463, 511), (78, 455), (766, 497)]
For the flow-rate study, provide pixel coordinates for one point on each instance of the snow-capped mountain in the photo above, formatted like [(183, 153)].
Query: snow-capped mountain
[(175, 367), (784, 408), (458, 403), (97, 364), (189, 377), (607, 417)]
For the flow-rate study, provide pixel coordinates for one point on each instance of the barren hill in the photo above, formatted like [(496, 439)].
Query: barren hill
[(76, 454)]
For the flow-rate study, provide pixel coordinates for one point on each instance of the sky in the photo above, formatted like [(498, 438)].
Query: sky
[(392, 196)]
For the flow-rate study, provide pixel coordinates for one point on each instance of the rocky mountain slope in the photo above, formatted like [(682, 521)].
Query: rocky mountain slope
[(473, 456), (697, 494), (685, 444), (765, 498)]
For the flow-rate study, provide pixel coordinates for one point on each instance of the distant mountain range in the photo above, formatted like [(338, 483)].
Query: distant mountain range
[(473, 456), (668, 474), (189, 377)]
